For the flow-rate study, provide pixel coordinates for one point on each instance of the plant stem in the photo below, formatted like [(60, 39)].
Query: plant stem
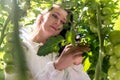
[(101, 52), (18, 54), (4, 28)]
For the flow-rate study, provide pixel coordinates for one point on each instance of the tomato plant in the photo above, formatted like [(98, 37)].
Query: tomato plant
[(114, 37), (8, 58), (112, 72), (10, 69), (117, 65), (1, 75), (113, 60), (109, 49), (117, 50), (94, 19)]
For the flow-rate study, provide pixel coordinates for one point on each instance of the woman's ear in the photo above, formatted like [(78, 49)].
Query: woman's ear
[(39, 20)]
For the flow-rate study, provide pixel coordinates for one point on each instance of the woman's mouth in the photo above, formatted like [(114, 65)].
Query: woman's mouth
[(54, 28)]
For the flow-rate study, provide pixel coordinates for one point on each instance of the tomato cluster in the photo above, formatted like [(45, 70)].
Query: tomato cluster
[(113, 49), (8, 56)]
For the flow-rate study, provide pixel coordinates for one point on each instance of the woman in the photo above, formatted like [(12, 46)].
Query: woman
[(68, 65)]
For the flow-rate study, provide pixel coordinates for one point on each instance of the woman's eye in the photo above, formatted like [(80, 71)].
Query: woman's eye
[(62, 22), (55, 16)]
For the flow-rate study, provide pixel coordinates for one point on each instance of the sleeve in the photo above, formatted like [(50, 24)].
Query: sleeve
[(42, 67), (76, 73), (50, 73)]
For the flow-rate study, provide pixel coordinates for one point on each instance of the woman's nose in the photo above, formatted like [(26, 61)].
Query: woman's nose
[(57, 22)]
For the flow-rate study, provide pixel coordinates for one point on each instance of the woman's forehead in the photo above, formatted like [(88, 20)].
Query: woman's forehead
[(61, 12)]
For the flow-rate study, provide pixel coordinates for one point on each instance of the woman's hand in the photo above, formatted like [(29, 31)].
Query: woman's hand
[(70, 55)]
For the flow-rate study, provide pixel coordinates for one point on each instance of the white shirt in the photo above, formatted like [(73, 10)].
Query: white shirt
[(42, 68)]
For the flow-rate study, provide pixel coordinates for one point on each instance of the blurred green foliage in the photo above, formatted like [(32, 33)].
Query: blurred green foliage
[(94, 19)]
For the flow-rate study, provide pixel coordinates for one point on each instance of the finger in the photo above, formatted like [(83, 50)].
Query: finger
[(84, 48), (69, 46), (67, 50), (79, 54)]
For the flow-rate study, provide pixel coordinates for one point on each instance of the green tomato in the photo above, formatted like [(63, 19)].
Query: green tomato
[(9, 37), (112, 72), (109, 49), (117, 75), (113, 60), (117, 65), (114, 37), (8, 47), (8, 58), (116, 50), (106, 21), (93, 29), (106, 10), (10, 69), (104, 1)]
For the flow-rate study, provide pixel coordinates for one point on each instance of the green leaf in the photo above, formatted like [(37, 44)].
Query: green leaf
[(70, 37), (50, 46)]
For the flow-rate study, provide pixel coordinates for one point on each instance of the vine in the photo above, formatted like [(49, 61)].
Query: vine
[(93, 20)]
